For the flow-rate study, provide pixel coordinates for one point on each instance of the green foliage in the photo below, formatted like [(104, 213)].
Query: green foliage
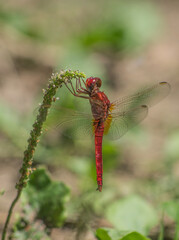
[(77, 54), (118, 27), (133, 214), (113, 234), (110, 156), (13, 125), (39, 179), (23, 230), (123, 25), (19, 21), (172, 209), (47, 198), (171, 149)]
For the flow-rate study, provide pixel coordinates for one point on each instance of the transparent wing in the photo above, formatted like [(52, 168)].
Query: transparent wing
[(127, 112), (118, 124), (77, 125), (70, 123), (148, 96)]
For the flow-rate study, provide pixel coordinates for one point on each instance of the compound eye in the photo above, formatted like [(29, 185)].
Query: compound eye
[(98, 82), (90, 82)]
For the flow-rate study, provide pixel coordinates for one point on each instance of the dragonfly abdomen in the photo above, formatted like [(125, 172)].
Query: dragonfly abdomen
[(98, 154)]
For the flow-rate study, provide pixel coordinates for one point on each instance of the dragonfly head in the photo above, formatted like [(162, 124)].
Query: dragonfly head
[(92, 82)]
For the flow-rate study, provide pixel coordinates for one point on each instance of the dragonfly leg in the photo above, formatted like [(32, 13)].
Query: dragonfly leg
[(74, 92), (79, 88)]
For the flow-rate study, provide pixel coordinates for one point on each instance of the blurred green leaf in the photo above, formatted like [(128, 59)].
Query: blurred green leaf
[(24, 235), (2, 191), (19, 21), (23, 230), (76, 57), (39, 179), (172, 209), (125, 25), (132, 213), (110, 156), (100, 201), (81, 165), (47, 198), (13, 125), (171, 149), (113, 234), (109, 234), (102, 234), (134, 236)]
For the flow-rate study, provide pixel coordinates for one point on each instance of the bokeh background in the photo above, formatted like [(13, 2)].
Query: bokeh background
[(129, 45)]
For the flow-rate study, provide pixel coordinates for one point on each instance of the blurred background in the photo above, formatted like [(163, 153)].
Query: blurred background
[(129, 45)]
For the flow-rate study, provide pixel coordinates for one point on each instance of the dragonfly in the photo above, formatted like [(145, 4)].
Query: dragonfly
[(113, 118)]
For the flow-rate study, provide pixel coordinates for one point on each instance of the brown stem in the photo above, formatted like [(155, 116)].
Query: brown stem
[(10, 213)]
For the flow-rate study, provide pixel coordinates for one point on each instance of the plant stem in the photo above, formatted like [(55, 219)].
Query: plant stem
[(55, 82), (10, 213)]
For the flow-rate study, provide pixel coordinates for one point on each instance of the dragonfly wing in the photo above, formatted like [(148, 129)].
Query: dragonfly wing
[(70, 123), (77, 125), (127, 112), (117, 124), (148, 96)]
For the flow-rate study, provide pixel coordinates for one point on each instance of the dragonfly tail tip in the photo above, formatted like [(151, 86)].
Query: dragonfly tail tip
[(99, 188)]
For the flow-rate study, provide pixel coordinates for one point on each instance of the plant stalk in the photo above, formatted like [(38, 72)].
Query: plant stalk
[(55, 82)]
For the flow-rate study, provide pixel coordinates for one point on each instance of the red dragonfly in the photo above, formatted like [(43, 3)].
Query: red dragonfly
[(116, 117)]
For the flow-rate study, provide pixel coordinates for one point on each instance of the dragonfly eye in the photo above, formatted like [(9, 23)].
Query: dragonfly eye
[(91, 82)]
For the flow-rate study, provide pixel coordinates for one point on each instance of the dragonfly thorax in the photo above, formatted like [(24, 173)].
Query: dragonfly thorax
[(100, 105)]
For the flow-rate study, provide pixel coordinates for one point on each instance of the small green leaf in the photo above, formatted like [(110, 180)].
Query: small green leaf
[(39, 179), (113, 234), (134, 236), (133, 214), (102, 234), (24, 228), (47, 198), (52, 209)]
